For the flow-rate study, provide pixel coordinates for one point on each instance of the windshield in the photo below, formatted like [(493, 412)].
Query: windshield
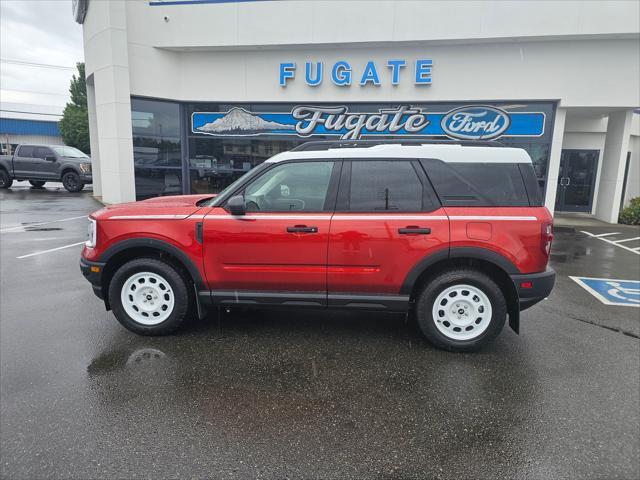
[(65, 151), (225, 192)]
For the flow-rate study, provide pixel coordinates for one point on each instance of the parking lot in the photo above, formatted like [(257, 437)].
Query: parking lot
[(307, 394)]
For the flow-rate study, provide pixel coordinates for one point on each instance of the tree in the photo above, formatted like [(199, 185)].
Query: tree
[(74, 125)]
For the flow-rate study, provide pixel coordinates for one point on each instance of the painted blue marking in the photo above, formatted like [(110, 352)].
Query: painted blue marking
[(611, 291)]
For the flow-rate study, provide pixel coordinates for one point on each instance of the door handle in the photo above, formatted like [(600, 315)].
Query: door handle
[(414, 231), (302, 229)]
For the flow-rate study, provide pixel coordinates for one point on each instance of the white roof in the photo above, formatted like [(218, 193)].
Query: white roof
[(446, 153)]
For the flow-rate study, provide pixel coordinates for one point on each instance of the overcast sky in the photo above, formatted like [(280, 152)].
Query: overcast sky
[(37, 31)]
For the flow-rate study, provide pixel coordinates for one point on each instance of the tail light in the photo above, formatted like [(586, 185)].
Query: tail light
[(546, 237)]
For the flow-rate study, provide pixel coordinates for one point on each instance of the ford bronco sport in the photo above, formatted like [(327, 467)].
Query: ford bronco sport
[(455, 233)]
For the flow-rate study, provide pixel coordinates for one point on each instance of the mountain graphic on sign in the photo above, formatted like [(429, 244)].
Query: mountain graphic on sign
[(238, 121)]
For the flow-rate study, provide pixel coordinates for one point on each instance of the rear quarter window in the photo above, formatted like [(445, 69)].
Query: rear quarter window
[(478, 184)]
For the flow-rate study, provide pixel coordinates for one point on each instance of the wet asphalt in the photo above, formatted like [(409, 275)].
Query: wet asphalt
[(283, 394)]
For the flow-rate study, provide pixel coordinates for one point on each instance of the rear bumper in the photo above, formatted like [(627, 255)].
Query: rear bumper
[(533, 287), (94, 277)]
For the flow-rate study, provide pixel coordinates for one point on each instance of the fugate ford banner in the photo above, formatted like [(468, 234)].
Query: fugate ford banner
[(471, 122)]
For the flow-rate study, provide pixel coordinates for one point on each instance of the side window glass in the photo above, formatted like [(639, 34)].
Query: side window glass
[(26, 151), (289, 187), (383, 185), (41, 152), (478, 184)]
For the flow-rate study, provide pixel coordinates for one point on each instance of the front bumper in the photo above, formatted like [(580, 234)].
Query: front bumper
[(86, 178), (533, 287), (92, 271)]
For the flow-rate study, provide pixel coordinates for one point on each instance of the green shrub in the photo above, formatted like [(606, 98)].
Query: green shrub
[(630, 214)]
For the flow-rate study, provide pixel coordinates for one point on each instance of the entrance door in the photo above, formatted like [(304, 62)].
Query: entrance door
[(577, 180)]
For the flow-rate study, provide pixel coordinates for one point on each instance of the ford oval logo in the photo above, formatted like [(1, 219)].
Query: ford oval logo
[(476, 122)]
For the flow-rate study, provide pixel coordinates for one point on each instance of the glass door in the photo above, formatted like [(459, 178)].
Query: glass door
[(577, 180)]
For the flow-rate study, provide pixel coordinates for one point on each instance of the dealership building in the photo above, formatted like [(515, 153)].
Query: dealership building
[(186, 95)]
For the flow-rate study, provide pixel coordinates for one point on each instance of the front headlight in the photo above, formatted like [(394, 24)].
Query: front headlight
[(92, 233), (85, 167)]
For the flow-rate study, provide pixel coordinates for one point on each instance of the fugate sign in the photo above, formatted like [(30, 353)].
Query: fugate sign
[(343, 74), (471, 122)]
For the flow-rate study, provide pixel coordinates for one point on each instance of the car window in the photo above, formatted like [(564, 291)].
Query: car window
[(26, 151), (381, 185), (41, 152), (478, 184), (288, 187), (65, 151)]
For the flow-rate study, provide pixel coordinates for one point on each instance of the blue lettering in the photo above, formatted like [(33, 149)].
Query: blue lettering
[(370, 74), (395, 66), (308, 70), (423, 72), (341, 73), (287, 70)]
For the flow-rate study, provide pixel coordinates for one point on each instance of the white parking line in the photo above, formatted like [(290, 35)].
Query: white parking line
[(604, 234), (617, 244), (628, 240), (50, 250), (18, 227)]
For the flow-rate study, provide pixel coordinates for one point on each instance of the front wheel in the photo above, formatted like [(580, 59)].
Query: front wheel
[(149, 297), (37, 183), (71, 182), (461, 310), (5, 180)]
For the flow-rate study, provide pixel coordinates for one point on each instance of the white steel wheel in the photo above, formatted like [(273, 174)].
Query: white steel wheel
[(462, 312), (147, 298)]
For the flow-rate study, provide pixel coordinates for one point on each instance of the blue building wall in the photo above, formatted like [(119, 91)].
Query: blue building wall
[(15, 126)]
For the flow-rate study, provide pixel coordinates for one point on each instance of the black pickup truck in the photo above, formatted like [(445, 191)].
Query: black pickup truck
[(46, 163)]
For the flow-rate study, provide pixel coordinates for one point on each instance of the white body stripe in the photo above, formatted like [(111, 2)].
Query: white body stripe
[(148, 217), (492, 217), (339, 216)]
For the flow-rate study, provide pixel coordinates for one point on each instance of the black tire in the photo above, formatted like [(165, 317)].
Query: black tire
[(71, 182), (451, 278), (5, 180), (177, 283), (37, 183)]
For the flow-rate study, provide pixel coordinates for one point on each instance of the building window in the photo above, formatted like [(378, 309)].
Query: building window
[(156, 148)]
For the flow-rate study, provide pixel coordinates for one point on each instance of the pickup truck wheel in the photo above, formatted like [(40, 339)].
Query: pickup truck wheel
[(71, 182), (461, 310), (149, 297), (5, 180), (37, 183)]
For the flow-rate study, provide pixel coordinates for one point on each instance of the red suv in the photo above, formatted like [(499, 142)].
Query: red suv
[(455, 233)]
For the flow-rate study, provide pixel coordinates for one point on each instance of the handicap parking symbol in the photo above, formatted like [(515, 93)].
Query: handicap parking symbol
[(612, 292)]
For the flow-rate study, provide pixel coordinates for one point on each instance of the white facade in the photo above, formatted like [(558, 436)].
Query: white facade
[(584, 57)]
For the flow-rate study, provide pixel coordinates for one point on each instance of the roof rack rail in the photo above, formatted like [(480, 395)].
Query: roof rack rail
[(328, 144)]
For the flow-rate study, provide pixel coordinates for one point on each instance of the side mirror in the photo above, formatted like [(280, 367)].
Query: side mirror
[(50, 158), (236, 205)]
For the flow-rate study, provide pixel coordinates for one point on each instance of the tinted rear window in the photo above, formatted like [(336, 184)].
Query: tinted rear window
[(378, 185), (478, 184)]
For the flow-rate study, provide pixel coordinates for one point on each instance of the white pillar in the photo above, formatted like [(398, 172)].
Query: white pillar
[(93, 139), (616, 146), (554, 159), (106, 51)]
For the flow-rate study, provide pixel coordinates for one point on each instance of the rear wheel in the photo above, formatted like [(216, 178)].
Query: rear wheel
[(461, 310), (71, 182), (149, 297), (5, 180), (37, 183)]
